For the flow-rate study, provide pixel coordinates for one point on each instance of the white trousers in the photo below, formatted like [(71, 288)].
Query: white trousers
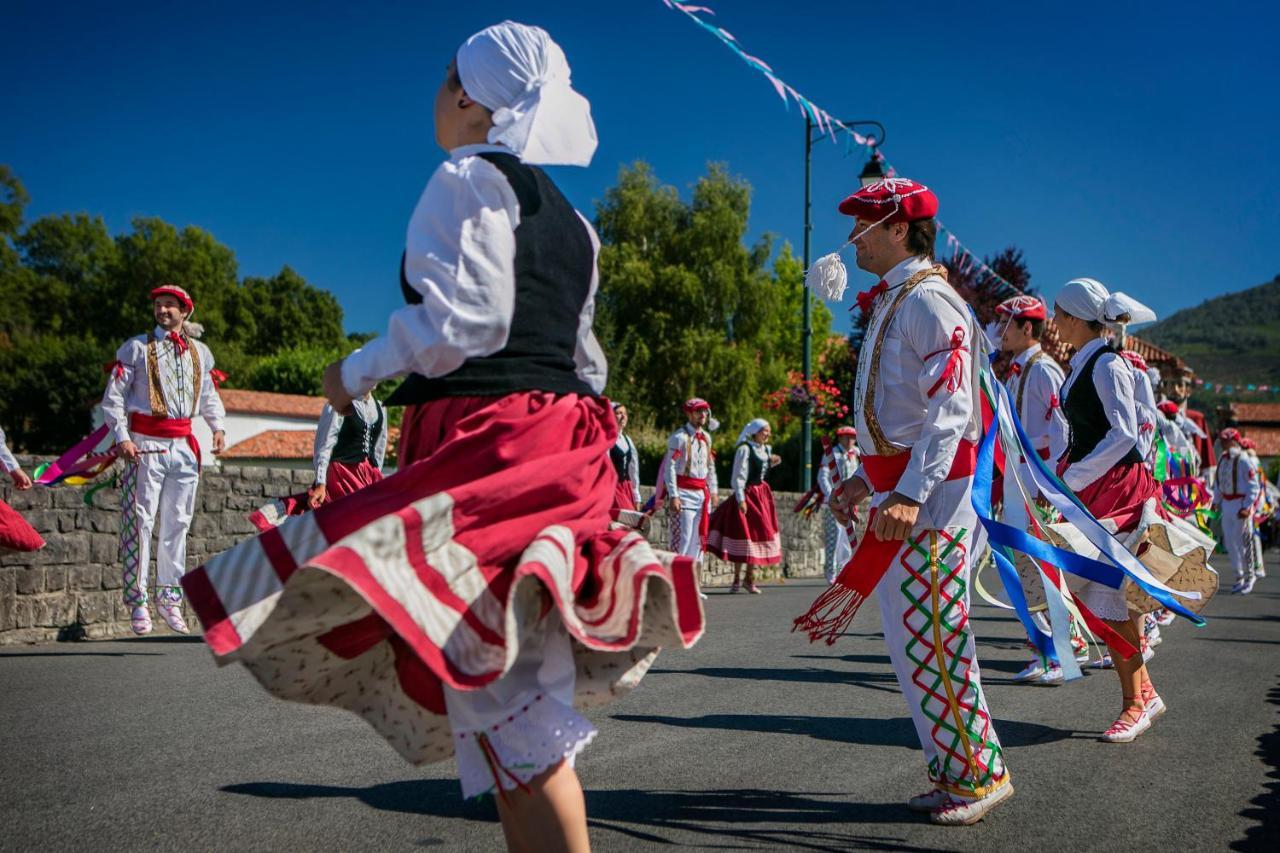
[(1237, 536), (159, 487), (685, 526), (924, 610)]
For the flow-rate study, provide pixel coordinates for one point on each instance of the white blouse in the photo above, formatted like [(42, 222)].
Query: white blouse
[(626, 445), (331, 424), (460, 251), (738, 477), (130, 391), (1114, 378)]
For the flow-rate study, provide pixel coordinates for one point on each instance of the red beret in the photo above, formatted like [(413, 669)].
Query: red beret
[(846, 430), (1135, 359), (1022, 308), (177, 293), (1229, 434), (1248, 443), (1169, 407), (891, 200), (696, 404)]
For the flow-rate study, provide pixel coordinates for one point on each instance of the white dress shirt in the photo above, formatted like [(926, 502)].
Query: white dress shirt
[(738, 476), (7, 461), (1237, 475), (1115, 380), (1041, 389), (690, 458), (836, 467), (460, 251), (627, 446), (331, 424), (185, 395), (917, 348)]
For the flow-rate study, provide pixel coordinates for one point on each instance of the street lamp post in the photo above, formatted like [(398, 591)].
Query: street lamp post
[(872, 171)]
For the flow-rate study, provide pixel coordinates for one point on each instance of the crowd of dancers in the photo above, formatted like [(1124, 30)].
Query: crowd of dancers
[(473, 603)]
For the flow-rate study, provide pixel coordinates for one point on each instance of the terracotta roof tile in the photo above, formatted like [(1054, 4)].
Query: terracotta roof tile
[(242, 402), (1267, 438), (274, 444), (1253, 413)]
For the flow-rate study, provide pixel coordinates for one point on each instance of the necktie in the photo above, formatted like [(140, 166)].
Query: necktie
[(179, 342)]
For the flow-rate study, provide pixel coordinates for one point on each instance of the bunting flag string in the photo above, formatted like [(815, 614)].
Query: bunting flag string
[(832, 128)]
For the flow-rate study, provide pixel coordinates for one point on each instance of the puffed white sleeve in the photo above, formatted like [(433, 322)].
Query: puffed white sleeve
[(940, 336), (825, 480), (1046, 396), (588, 357), (1115, 381), (7, 461), (211, 408), (675, 448), (738, 477), (633, 471), (380, 447), (115, 411), (460, 257), (326, 439)]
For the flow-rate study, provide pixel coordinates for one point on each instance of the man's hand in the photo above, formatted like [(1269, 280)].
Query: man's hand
[(21, 481), (846, 497), (673, 503), (219, 442), (128, 451), (316, 495), (335, 391), (895, 518), (1244, 513)]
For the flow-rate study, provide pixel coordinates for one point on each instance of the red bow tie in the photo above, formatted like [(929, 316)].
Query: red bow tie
[(867, 297), (1015, 369), (179, 342)]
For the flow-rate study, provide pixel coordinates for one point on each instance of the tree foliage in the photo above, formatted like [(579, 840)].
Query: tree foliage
[(687, 308), (72, 293)]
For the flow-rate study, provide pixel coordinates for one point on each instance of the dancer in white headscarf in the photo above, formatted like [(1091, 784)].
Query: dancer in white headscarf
[(1103, 466), (744, 529), (453, 604)]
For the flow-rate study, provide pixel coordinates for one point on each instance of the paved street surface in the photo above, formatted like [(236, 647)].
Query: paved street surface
[(754, 740)]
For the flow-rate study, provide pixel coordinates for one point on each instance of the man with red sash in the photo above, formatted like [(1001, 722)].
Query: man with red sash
[(1237, 490), (1035, 387), (918, 422), (157, 384), (689, 481)]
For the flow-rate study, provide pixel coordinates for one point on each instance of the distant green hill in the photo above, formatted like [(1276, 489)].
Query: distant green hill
[(1233, 338)]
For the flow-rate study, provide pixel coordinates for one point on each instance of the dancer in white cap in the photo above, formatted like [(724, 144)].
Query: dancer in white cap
[(744, 528), (465, 605)]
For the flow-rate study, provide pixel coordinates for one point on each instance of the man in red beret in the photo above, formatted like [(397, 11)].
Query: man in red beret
[(918, 422), (1237, 490), (158, 383), (689, 480), (839, 461)]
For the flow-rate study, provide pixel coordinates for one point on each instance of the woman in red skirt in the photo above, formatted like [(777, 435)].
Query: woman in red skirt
[(626, 464), (15, 533), (744, 528), (469, 605), (1103, 466)]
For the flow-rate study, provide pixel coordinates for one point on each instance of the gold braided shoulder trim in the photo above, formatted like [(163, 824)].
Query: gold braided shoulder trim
[(1022, 381), (159, 408), (878, 438)]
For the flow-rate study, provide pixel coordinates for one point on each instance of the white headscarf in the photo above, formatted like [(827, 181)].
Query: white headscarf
[(522, 76), (1089, 299), (751, 429)]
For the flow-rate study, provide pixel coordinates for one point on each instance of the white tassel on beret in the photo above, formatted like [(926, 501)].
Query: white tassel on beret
[(192, 330), (828, 277)]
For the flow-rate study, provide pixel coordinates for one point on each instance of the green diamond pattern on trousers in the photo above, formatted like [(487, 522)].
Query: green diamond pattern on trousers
[(130, 545), (970, 766)]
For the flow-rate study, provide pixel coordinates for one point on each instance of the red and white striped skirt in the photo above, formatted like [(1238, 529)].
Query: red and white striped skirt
[(749, 537), (340, 480), (428, 580)]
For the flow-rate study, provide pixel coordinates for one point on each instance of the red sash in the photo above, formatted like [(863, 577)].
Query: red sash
[(695, 484), (831, 613), (155, 427)]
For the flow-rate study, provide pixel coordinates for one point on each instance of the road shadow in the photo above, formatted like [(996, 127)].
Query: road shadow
[(1234, 640), (4, 655), (869, 731), (812, 675), (1265, 808), (733, 817)]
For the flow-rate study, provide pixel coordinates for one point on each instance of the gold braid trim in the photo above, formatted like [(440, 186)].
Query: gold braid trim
[(1022, 381), (883, 447), (197, 379), (159, 408)]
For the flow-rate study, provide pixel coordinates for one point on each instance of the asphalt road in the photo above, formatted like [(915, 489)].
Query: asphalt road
[(754, 740)]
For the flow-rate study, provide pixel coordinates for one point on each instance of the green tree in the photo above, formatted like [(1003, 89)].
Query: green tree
[(284, 313), (686, 306)]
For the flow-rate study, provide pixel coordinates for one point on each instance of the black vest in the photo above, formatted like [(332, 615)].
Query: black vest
[(357, 439), (554, 264), (621, 461), (755, 465), (1086, 417)]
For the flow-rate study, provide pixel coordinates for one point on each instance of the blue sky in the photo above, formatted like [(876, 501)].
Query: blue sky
[(1134, 143)]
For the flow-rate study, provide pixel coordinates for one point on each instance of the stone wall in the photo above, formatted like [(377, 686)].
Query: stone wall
[(72, 588)]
